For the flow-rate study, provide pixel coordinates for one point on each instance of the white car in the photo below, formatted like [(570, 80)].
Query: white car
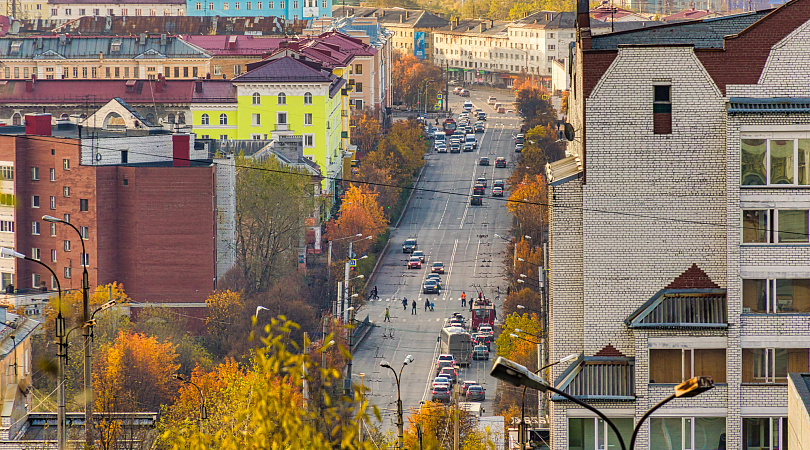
[(492, 100)]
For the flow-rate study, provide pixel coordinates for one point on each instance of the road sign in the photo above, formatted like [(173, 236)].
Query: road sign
[(439, 96), (353, 263)]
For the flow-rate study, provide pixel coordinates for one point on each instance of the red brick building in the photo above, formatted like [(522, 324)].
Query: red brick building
[(147, 225)]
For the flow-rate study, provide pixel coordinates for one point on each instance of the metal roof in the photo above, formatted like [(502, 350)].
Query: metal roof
[(598, 378), (768, 105), (97, 47), (682, 308)]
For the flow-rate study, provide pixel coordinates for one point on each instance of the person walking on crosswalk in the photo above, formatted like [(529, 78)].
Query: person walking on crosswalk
[(413, 308), (387, 315)]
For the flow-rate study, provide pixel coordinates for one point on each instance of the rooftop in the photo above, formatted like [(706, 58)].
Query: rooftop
[(476, 27), (290, 70), (96, 91), (221, 45), (116, 2), (97, 47), (549, 20), (200, 25), (413, 18)]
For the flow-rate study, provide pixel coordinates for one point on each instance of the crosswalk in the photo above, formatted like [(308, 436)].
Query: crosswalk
[(419, 301)]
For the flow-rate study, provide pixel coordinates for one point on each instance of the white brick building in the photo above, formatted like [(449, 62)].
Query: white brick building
[(682, 216)]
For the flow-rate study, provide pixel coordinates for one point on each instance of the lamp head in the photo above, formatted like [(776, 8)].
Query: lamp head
[(361, 276), (518, 330), (517, 375), (521, 307), (385, 364), (513, 335), (693, 386), (570, 357), (520, 281), (358, 235), (178, 377), (7, 252), (48, 218), (523, 275), (527, 236), (408, 360), (521, 259)]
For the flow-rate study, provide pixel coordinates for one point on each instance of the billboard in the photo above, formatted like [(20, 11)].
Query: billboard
[(419, 44)]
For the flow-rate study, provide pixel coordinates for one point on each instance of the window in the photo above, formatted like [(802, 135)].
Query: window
[(35, 253), (66, 191), (35, 280), (67, 245), (210, 6), (687, 433), (108, 72), (281, 4), (270, 5), (85, 259), (247, 5), (358, 69), (282, 98), (309, 140), (82, 12), (259, 5), (677, 365), (281, 118), (358, 104), (257, 120), (594, 433), (223, 119), (35, 201), (53, 255), (662, 109), (308, 119), (358, 87), (236, 5), (771, 365), (217, 70), (324, 4), (225, 6), (67, 272), (7, 172), (237, 70), (199, 6), (307, 98), (94, 72), (34, 174), (775, 162), (53, 202), (257, 98), (66, 164), (256, 136), (53, 229), (124, 156), (781, 226), (551, 47), (7, 226), (295, 4), (35, 228), (776, 295), (204, 119), (765, 433), (84, 204), (53, 174), (66, 218)]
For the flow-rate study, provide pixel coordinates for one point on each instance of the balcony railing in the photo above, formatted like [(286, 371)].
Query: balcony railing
[(282, 127)]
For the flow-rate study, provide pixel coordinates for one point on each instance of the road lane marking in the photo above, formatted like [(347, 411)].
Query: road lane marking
[(467, 207), (450, 268)]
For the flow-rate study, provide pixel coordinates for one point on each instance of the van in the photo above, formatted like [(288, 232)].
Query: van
[(439, 136), (468, 106), (470, 139)]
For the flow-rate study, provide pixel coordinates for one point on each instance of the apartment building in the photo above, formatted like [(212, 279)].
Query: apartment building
[(291, 10), (74, 9), (63, 56), (681, 216)]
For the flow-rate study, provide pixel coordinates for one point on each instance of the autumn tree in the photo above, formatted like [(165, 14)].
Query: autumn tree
[(367, 131), (529, 206), (529, 299), (534, 106), (523, 350), (428, 428), (416, 81), (378, 179), (271, 205)]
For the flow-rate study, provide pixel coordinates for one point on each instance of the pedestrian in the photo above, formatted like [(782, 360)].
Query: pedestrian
[(387, 315), (471, 305), (480, 295), (376, 297), (427, 304), (413, 308), (431, 306), (404, 303), (463, 299)]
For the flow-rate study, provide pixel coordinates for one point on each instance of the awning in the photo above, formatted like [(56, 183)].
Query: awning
[(605, 378), (768, 105), (682, 308)]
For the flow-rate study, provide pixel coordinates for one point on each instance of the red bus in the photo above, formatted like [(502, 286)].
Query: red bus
[(449, 126), (483, 313)]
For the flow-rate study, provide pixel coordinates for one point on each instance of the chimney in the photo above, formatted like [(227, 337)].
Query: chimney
[(162, 39), (548, 17), (159, 84), (38, 124), (180, 150), (457, 20), (198, 86), (584, 24), (401, 18), (406, 14), (492, 23), (483, 26)]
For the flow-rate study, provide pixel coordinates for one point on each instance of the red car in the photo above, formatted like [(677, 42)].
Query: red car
[(415, 263), (438, 267)]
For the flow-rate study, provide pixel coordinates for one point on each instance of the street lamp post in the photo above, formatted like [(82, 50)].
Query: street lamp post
[(329, 265), (61, 353), (203, 412), (397, 377), (87, 332), (518, 375)]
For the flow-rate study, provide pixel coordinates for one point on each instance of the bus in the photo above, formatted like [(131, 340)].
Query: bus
[(457, 342), (449, 126), (483, 313)]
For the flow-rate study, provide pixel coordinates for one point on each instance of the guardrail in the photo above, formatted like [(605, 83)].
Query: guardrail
[(360, 332)]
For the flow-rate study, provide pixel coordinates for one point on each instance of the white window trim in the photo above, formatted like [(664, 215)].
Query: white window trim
[(795, 341), (698, 343)]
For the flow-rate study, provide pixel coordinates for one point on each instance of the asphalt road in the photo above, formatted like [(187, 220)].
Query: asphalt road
[(450, 230)]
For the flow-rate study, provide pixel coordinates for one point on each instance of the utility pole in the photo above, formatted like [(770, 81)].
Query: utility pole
[(304, 381), (455, 417)]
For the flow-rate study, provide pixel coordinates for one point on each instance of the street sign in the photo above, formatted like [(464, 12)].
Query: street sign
[(353, 263), (439, 96)]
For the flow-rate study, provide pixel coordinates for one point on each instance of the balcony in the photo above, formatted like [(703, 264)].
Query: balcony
[(282, 127)]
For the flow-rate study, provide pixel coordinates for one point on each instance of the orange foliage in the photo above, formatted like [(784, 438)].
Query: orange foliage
[(359, 214)]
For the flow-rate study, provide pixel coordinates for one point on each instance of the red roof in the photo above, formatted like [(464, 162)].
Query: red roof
[(689, 14), (607, 13), (693, 278), (609, 350), (239, 45), (96, 91)]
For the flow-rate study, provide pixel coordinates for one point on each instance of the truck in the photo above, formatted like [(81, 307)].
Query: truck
[(483, 313), (457, 342)]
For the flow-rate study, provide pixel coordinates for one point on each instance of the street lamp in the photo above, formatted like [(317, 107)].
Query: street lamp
[(62, 352), (570, 357), (88, 358), (203, 412), (518, 375), (329, 264), (397, 377)]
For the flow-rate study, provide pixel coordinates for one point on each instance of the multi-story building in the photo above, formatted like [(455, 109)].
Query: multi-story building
[(681, 216), (292, 10), (142, 204), (17, 364), (25, 9), (74, 9), (98, 58), (280, 97)]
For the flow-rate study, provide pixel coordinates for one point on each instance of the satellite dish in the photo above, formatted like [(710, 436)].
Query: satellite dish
[(569, 132)]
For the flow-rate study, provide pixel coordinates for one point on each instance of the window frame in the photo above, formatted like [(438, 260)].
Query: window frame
[(281, 98), (223, 119), (769, 166), (782, 429), (205, 119)]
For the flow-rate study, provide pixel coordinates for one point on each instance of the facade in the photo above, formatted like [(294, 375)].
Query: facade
[(74, 9), (291, 10), (282, 97), (142, 205), (97, 58), (681, 215), (16, 362), (25, 9)]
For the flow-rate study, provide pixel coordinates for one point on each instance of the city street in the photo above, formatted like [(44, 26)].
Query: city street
[(450, 230)]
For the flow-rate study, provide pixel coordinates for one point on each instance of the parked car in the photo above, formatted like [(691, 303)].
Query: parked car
[(497, 192), (500, 162), (430, 287), (420, 254), (476, 200), (483, 161), (440, 394), (438, 267), (414, 263), (480, 352), (409, 246), (476, 393), (482, 180)]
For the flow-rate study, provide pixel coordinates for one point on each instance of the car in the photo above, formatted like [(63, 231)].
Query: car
[(420, 254), (453, 82), (486, 329), (492, 100), (479, 127), (476, 200), (498, 183), (468, 130), (482, 181), (482, 116), (518, 148), (456, 323), (479, 189), (463, 115), (469, 147), (480, 352), (482, 339), (457, 89), (497, 192), (478, 110), (442, 149), (430, 287), (510, 111), (442, 380), (435, 277), (442, 364), (476, 393), (449, 372), (440, 394), (414, 263), (455, 148), (501, 110), (409, 246), (446, 357), (483, 161), (466, 385), (464, 93), (500, 162), (438, 267)]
